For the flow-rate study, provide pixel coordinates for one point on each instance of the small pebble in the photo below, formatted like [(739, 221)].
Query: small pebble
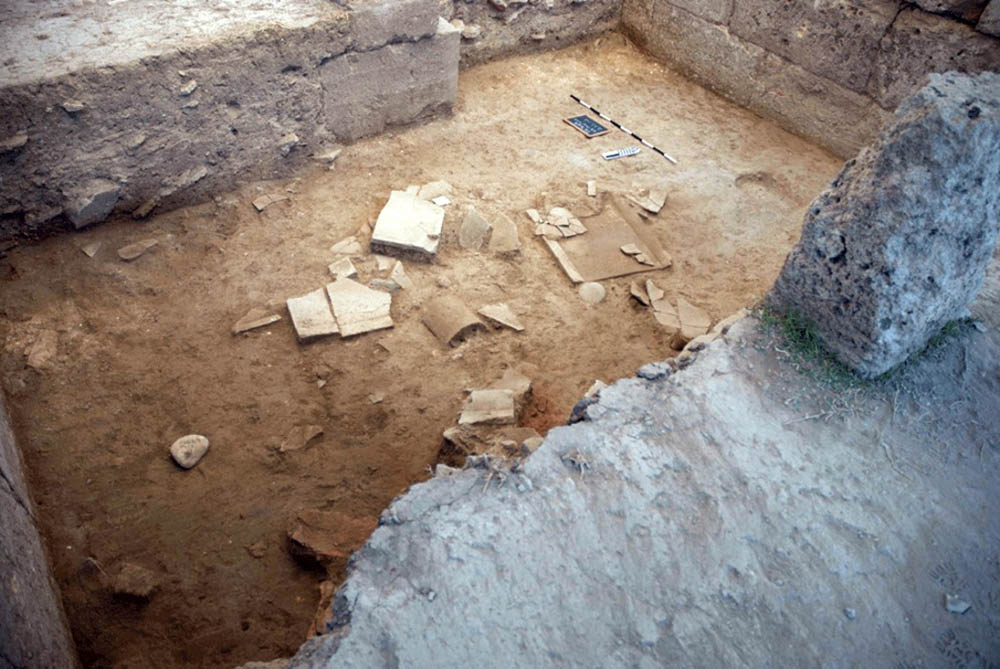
[(592, 292), (851, 614), (955, 604), (188, 450)]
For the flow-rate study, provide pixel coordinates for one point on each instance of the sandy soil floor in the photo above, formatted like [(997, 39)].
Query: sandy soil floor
[(144, 351)]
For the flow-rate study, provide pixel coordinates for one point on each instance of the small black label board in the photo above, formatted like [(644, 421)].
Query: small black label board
[(587, 125)]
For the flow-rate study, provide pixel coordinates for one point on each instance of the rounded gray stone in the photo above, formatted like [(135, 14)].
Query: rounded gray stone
[(188, 450), (592, 292)]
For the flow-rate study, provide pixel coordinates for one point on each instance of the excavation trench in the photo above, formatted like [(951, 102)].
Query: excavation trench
[(144, 352), (106, 362)]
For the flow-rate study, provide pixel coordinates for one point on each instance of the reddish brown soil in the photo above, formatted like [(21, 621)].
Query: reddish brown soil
[(145, 353)]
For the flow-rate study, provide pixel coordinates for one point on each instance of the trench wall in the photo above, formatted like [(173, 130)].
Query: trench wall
[(496, 28), (832, 70), (137, 130), (33, 630)]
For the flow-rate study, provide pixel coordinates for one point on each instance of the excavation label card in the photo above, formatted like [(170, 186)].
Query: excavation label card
[(587, 125)]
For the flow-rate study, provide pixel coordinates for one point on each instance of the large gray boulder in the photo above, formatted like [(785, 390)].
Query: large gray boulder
[(898, 244)]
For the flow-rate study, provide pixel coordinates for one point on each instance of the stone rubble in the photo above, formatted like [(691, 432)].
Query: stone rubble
[(254, 319), (435, 189), (343, 269), (91, 249), (398, 274), (132, 251), (652, 200), (493, 407), (349, 246), (327, 537), (502, 316), (43, 350), (475, 230), (264, 201), (91, 202), (299, 437), (505, 240), (135, 581)]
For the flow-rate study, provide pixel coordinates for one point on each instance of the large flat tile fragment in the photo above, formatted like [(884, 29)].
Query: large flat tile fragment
[(494, 407), (358, 308), (408, 226), (311, 315)]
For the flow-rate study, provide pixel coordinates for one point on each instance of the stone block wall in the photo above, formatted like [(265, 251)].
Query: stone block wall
[(831, 70)]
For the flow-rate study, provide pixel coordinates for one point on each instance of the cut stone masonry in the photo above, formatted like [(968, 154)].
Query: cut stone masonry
[(832, 72)]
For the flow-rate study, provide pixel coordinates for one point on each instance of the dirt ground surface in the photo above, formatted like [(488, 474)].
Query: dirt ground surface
[(144, 353)]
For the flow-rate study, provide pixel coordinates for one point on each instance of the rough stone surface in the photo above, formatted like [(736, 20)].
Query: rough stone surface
[(475, 230), (989, 22), (653, 371), (830, 72), (967, 10), (33, 630), (898, 244), (833, 39), (919, 43), (815, 107), (91, 202), (700, 533), (505, 240), (171, 109)]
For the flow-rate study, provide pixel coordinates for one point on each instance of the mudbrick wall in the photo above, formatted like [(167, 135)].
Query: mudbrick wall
[(832, 70), (33, 630)]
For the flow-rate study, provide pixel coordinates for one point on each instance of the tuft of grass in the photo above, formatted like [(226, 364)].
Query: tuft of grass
[(798, 338)]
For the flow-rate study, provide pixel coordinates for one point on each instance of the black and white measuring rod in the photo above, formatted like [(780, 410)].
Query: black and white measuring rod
[(624, 129)]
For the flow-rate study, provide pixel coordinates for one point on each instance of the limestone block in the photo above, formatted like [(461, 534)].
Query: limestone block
[(831, 38), (919, 43), (706, 52), (375, 23), (716, 11), (966, 10), (989, 22), (898, 244), (815, 107), (374, 89)]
